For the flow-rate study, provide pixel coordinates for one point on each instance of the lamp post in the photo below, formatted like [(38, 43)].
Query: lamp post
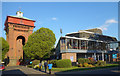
[(61, 32)]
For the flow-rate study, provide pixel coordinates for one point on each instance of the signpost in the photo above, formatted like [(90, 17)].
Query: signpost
[(114, 56)]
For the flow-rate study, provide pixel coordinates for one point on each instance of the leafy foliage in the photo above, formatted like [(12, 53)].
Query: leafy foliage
[(85, 64), (83, 60), (35, 62), (39, 43), (90, 65), (4, 46), (30, 66), (80, 65), (54, 62), (49, 54), (101, 63), (64, 63), (92, 61)]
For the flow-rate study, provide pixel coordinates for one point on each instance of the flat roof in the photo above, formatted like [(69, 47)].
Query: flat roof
[(86, 31), (77, 38), (80, 32), (81, 38)]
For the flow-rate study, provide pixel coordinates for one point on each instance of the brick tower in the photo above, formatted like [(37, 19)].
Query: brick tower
[(17, 28)]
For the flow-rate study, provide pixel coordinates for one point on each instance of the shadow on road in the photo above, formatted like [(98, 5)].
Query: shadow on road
[(15, 72), (42, 71), (90, 72)]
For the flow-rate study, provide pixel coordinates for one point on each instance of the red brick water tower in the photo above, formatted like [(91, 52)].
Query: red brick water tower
[(17, 28)]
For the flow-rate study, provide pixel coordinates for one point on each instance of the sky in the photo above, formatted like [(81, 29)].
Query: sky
[(69, 16)]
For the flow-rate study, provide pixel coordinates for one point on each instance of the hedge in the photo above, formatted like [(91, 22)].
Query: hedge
[(30, 66), (80, 65), (85, 64), (64, 63), (92, 61), (35, 62), (101, 63), (54, 62), (83, 60)]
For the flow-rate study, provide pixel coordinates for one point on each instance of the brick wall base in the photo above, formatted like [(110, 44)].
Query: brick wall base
[(71, 56), (12, 62)]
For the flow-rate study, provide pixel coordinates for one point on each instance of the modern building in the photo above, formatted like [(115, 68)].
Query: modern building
[(87, 43), (17, 28)]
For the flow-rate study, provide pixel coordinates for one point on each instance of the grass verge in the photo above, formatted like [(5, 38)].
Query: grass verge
[(82, 68)]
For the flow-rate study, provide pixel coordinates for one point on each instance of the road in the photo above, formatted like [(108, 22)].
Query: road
[(21, 70), (24, 71), (113, 70)]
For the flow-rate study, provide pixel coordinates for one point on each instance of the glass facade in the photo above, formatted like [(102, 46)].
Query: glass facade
[(114, 46), (67, 43), (62, 44)]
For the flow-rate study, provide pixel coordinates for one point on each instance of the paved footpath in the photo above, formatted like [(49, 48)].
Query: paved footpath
[(21, 70)]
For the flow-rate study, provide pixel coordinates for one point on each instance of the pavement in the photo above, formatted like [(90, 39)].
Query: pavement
[(12, 70), (25, 71)]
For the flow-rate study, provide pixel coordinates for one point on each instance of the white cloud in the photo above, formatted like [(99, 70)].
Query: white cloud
[(104, 28), (54, 18), (107, 24), (111, 21)]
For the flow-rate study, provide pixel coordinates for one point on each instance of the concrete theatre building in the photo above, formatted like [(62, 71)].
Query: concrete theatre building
[(87, 43)]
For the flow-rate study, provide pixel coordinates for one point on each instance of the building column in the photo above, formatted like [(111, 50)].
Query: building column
[(72, 43), (66, 44), (98, 57), (77, 44), (95, 56), (85, 56), (109, 58), (87, 45), (92, 56), (102, 56), (80, 44), (61, 45)]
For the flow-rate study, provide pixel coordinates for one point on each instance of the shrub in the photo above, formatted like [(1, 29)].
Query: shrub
[(92, 61), (64, 63), (30, 66), (90, 65), (85, 64), (118, 62), (35, 62), (80, 65), (54, 62), (36, 66), (96, 65), (83, 60), (101, 63)]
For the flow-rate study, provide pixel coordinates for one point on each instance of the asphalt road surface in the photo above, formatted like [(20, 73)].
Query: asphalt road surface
[(113, 70), (24, 71)]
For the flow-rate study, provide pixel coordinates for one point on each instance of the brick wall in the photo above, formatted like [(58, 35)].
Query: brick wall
[(69, 55)]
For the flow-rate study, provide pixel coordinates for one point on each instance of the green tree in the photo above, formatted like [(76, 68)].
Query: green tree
[(39, 44), (49, 54), (4, 47)]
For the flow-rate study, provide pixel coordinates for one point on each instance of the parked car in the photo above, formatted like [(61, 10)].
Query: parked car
[(2, 67)]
